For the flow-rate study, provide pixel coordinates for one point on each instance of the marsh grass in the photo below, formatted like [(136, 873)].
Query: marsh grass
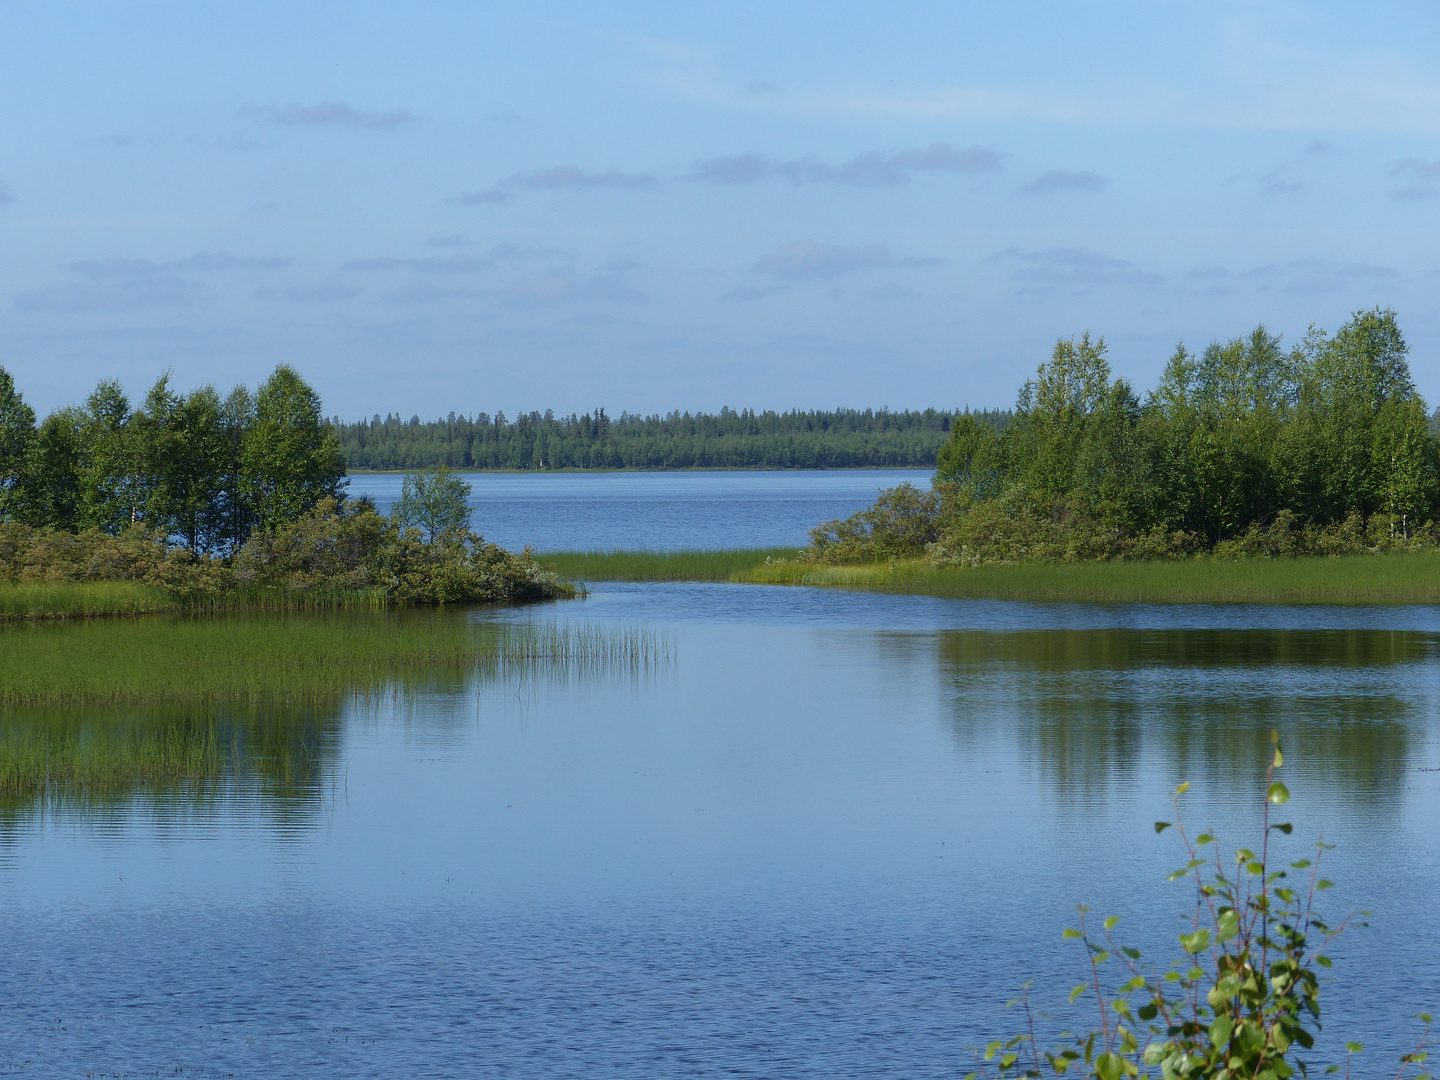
[(288, 657), (1397, 578), (101, 711), (695, 565), (46, 600)]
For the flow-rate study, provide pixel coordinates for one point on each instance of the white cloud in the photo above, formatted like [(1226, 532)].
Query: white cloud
[(872, 169), (335, 114), (1060, 180), (810, 259), (1068, 267)]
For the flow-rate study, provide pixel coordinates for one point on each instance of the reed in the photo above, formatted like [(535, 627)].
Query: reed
[(83, 600), (694, 565), (1396, 578), (285, 657)]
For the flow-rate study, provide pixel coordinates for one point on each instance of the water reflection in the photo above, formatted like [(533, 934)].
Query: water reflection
[(1090, 707), (98, 761)]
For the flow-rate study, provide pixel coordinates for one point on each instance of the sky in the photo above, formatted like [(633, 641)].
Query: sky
[(430, 207)]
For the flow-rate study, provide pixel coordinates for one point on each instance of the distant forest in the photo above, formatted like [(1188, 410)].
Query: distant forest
[(818, 439)]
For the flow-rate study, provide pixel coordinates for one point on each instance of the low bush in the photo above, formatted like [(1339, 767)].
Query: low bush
[(341, 549), (1242, 998)]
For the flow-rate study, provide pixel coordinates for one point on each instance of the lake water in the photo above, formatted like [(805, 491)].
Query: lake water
[(657, 511), (828, 834)]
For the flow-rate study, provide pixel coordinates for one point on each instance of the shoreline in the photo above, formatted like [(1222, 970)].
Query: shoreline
[(1396, 578), (1391, 579)]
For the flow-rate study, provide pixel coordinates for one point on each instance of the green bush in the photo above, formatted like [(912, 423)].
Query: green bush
[(339, 549), (1241, 1000), (899, 526)]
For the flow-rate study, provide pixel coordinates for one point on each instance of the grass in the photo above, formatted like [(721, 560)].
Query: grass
[(297, 657), (108, 709), (1403, 578), (42, 600), (659, 565)]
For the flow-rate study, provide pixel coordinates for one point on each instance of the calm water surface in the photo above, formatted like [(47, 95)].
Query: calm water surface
[(828, 837), (658, 511)]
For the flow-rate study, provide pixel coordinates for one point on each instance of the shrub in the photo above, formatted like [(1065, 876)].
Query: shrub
[(898, 526), (1242, 999)]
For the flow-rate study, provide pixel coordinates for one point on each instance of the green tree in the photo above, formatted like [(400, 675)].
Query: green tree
[(158, 439), (1053, 411), (57, 475), (290, 455), (111, 491), (437, 503), (229, 519), (970, 458), (17, 446)]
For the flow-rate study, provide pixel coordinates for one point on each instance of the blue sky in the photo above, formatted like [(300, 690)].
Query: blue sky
[(427, 207)]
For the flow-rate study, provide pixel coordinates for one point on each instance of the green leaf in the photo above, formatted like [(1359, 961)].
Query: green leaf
[(1183, 788), (1196, 942), (1204, 838), (1323, 884), (1133, 954), (1279, 757), (1161, 826), (1354, 1047), (1108, 1066), (1068, 933), (1227, 926), (1112, 922), (1075, 994), (1284, 827), (1278, 793), (1220, 1031), (1424, 1018), (1300, 864), (1324, 961)]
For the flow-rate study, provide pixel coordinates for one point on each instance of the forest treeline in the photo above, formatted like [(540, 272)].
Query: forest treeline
[(729, 439), (1245, 448), (207, 495)]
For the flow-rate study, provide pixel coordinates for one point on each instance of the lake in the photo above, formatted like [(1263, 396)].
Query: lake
[(657, 511), (824, 834)]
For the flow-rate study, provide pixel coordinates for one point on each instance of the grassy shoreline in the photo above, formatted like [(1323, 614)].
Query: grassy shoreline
[(1392, 578), (691, 565), (1402, 578)]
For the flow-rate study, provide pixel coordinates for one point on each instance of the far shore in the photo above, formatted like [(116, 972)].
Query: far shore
[(469, 470)]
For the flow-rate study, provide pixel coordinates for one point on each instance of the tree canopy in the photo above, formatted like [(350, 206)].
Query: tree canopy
[(205, 469), (1245, 443)]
